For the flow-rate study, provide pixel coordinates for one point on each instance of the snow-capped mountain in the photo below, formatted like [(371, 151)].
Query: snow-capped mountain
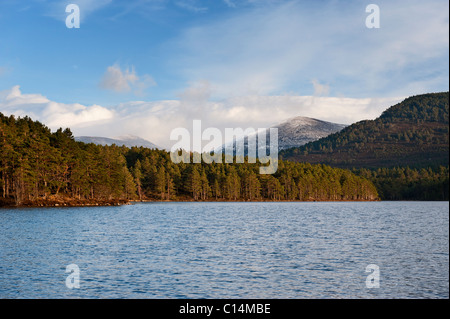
[(294, 132), (300, 130)]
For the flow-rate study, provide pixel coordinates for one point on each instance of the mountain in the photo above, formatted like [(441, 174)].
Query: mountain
[(127, 140), (300, 130), (295, 132), (412, 133)]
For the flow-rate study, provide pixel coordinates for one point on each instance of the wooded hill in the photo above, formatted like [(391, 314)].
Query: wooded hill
[(412, 133), (38, 167), (404, 152)]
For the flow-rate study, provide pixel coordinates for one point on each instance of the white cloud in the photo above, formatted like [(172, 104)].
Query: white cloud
[(118, 81), (75, 115), (14, 97), (155, 120), (123, 81), (230, 3), (320, 89), (52, 114)]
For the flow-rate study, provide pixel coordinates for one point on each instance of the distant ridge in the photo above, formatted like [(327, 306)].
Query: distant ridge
[(127, 140), (294, 132)]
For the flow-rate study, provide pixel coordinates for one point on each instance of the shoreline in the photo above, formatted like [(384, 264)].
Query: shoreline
[(106, 203), (63, 203)]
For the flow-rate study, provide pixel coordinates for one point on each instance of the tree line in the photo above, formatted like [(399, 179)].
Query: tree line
[(37, 164), (405, 183), (161, 178)]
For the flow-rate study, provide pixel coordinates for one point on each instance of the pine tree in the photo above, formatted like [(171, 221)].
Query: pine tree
[(161, 182), (137, 174), (193, 183), (205, 189), (129, 184)]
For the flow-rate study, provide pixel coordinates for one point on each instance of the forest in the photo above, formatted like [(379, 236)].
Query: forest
[(38, 167)]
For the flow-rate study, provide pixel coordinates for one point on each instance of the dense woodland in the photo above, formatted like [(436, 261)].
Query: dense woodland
[(404, 183), (37, 165)]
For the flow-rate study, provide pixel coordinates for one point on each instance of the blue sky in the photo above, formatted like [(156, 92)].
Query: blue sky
[(42, 55), (161, 63)]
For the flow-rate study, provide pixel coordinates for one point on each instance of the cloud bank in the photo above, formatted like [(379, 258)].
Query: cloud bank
[(154, 120)]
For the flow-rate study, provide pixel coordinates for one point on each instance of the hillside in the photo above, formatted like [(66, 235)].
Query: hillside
[(412, 133)]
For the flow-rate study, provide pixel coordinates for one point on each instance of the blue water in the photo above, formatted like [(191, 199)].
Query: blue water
[(227, 250)]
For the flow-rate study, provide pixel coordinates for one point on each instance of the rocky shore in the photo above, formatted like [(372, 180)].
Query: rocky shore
[(62, 201)]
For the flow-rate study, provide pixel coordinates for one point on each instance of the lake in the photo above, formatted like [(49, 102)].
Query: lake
[(228, 250)]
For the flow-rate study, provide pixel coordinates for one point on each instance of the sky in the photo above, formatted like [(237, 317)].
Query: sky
[(145, 67)]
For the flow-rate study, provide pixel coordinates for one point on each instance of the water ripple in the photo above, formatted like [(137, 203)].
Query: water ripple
[(227, 250)]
